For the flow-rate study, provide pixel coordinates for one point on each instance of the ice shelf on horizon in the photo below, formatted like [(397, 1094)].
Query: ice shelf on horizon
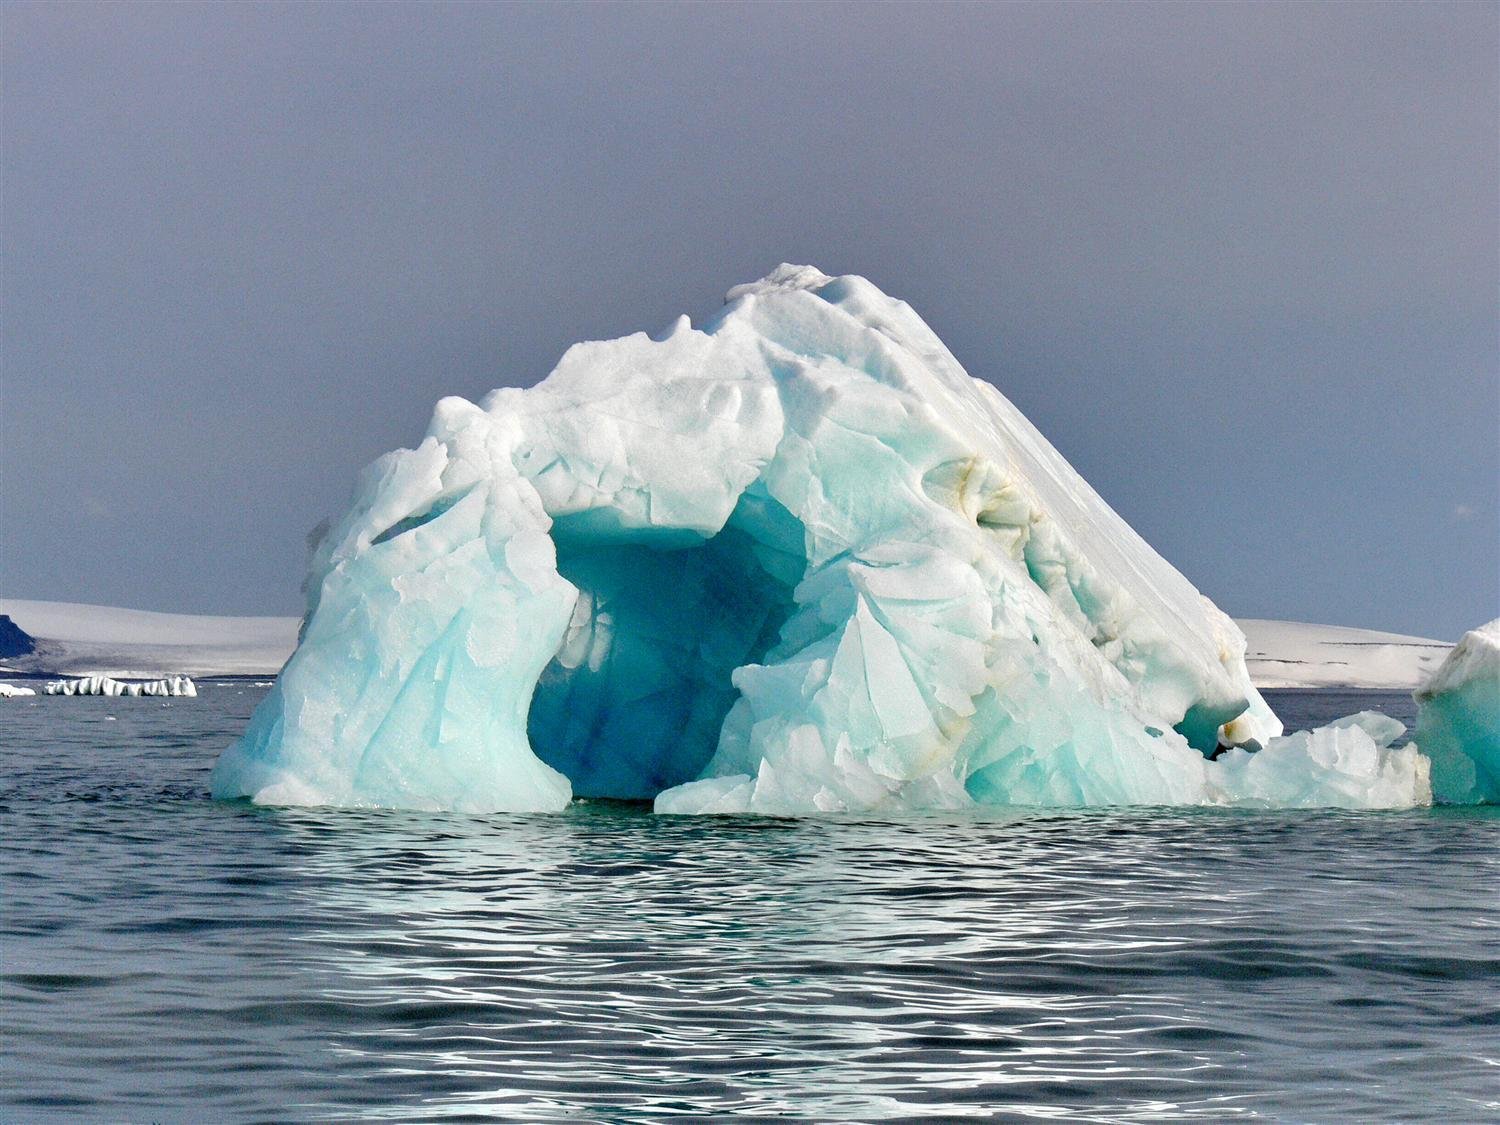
[(796, 561)]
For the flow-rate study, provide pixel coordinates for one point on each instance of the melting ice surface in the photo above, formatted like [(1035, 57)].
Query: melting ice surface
[(795, 561)]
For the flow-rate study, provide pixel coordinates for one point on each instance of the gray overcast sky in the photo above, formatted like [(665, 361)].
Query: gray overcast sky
[(1238, 262)]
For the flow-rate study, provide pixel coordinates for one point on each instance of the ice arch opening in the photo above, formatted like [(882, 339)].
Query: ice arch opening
[(634, 699)]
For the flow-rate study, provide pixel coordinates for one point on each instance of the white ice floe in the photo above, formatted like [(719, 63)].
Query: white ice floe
[(8, 691), (1347, 764), (104, 685), (1458, 720)]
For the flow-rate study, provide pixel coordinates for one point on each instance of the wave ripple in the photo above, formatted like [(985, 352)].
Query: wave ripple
[(166, 957)]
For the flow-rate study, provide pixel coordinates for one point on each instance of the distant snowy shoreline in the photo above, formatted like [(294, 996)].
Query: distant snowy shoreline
[(1293, 654), (83, 640), (89, 640)]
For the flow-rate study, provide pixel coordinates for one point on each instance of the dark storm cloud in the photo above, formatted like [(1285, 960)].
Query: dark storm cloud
[(1238, 262)]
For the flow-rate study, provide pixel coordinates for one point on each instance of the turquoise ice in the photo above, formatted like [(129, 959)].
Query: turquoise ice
[(1458, 721), (794, 561)]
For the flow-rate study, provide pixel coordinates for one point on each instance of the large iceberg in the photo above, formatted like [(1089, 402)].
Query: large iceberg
[(1458, 720), (794, 561)]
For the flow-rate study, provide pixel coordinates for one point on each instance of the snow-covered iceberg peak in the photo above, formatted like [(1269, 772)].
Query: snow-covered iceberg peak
[(795, 560)]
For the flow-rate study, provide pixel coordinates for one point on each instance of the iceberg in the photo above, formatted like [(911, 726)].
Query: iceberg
[(1458, 720), (104, 685), (1349, 763), (8, 691), (796, 560)]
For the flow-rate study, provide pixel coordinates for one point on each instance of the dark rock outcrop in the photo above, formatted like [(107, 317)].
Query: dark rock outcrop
[(14, 641)]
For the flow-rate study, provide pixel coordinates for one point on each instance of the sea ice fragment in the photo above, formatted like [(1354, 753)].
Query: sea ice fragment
[(1342, 765), (104, 685)]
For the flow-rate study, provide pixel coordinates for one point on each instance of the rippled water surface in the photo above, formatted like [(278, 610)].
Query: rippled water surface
[(169, 958)]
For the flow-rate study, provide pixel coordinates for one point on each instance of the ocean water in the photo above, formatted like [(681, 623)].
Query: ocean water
[(169, 958)]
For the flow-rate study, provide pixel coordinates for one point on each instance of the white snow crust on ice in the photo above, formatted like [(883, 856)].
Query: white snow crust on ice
[(76, 640), (795, 561), (1458, 720), (1293, 654)]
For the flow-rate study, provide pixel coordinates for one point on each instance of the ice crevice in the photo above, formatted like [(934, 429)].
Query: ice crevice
[(793, 561)]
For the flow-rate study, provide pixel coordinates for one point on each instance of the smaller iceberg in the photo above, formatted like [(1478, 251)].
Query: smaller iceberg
[(1458, 720), (103, 685), (1348, 764), (8, 691)]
